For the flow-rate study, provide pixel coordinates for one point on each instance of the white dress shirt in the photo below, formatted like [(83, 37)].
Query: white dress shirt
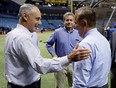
[(23, 61)]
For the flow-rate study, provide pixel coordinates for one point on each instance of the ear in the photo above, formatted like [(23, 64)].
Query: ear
[(25, 16), (84, 22)]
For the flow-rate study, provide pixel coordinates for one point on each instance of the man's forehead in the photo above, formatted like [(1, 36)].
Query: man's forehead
[(36, 11)]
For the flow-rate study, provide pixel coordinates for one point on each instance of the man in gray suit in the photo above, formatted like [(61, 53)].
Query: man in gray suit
[(113, 68)]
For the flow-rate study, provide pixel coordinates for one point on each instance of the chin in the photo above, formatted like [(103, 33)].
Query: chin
[(32, 31)]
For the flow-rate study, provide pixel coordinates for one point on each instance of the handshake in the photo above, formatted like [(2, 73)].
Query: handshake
[(78, 54)]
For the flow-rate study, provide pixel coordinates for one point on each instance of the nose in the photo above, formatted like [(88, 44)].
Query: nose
[(39, 22), (68, 21)]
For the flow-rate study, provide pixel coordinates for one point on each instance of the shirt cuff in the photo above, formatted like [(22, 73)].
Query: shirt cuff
[(64, 61)]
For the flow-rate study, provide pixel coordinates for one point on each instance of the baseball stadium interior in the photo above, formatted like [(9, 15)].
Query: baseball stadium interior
[(53, 10)]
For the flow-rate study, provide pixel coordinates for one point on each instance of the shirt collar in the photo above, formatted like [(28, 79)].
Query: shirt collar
[(70, 31), (24, 29), (88, 32)]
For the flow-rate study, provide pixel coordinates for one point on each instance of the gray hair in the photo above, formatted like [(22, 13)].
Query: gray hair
[(67, 14), (25, 8)]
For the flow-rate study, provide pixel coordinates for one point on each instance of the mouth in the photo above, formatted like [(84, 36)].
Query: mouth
[(69, 26), (36, 28)]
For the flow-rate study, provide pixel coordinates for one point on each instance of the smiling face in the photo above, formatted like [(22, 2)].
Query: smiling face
[(30, 17), (69, 22), (34, 19)]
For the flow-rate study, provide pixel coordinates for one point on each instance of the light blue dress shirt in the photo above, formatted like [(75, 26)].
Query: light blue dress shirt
[(64, 41), (93, 72), (23, 61)]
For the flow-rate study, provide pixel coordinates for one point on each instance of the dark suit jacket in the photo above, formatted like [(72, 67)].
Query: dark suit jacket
[(113, 46)]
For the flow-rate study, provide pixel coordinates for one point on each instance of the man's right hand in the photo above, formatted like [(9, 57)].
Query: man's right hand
[(78, 54)]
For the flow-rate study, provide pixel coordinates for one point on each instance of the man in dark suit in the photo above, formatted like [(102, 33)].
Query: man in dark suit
[(113, 67)]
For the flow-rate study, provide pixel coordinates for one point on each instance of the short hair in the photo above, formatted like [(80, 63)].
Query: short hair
[(25, 8), (86, 13), (67, 14)]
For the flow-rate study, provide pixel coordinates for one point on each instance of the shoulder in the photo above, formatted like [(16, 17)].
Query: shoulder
[(58, 29), (75, 31), (88, 41)]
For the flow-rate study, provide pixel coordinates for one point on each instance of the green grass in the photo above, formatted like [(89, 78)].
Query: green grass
[(48, 80), (2, 80), (42, 38)]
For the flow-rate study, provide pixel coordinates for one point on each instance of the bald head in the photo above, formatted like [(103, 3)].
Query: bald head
[(26, 8)]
